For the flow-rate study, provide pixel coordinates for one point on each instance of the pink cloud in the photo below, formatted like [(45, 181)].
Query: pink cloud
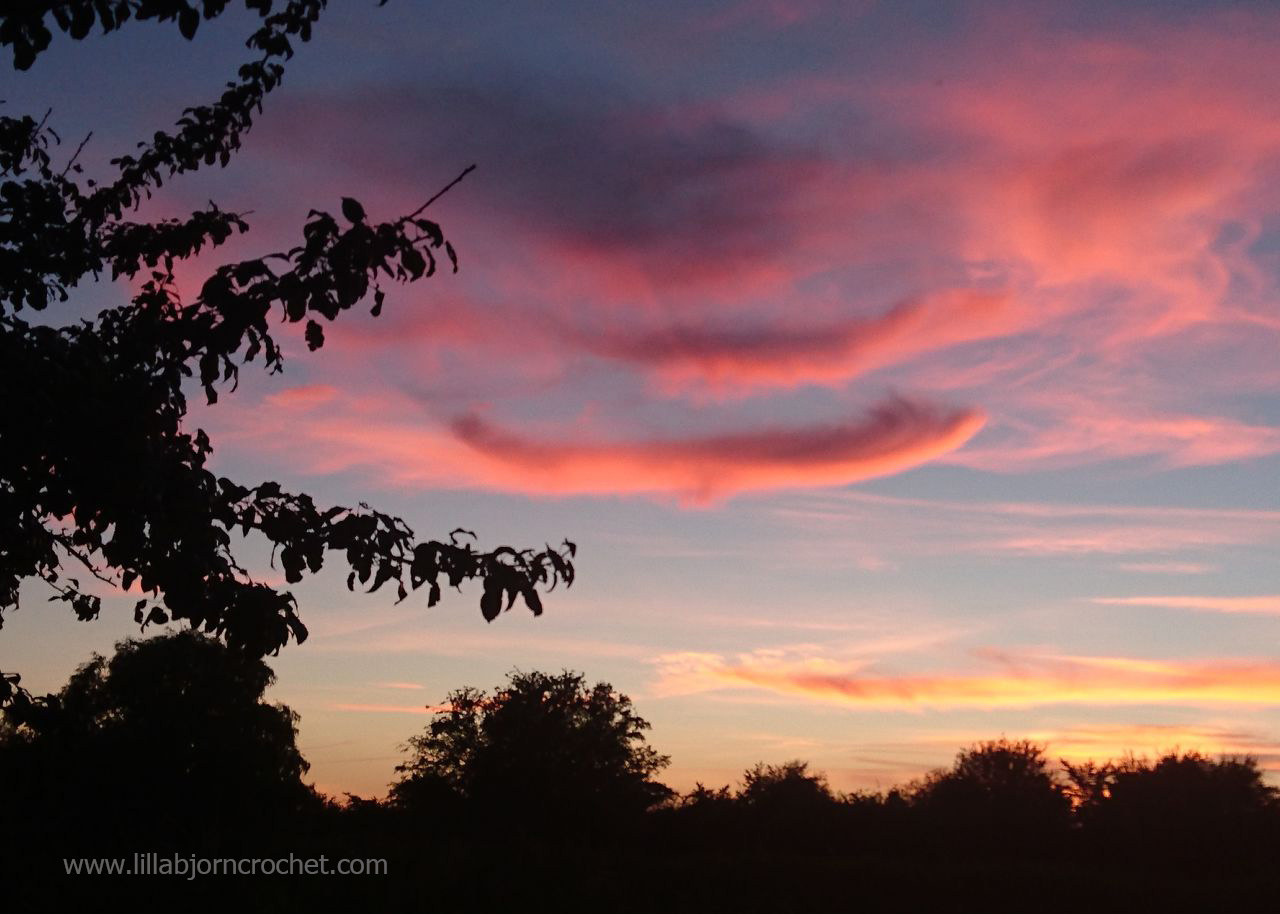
[(895, 436), (1061, 257), (1067, 428), (787, 356), (391, 438)]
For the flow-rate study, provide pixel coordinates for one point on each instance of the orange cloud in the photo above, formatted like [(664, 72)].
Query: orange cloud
[(1264, 605), (303, 397), (1101, 742), (1167, 567), (1018, 682)]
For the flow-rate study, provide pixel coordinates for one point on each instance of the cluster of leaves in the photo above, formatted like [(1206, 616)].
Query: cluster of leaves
[(96, 468), (26, 27)]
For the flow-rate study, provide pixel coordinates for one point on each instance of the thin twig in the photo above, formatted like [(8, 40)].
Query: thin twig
[(56, 586), (444, 190), (76, 155)]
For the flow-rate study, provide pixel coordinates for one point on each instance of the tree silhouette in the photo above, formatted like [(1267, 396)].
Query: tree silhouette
[(789, 784), (98, 471), (168, 743), (545, 754)]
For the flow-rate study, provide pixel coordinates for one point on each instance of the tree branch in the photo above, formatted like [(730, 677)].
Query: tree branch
[(440, 193)]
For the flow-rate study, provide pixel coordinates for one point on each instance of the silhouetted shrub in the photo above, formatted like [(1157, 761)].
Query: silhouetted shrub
[(998, 797), (787, 805), (545, 755)]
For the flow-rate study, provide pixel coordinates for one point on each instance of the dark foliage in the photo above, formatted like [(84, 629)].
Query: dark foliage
[(789, 786), (789, 806), (540, 796), (545, 755), (1185, 809), (998, 797), (98, 472)]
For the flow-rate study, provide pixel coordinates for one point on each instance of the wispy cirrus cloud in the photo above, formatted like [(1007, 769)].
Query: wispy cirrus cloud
[(1009, 681), (1146, 534), (1069, 430)]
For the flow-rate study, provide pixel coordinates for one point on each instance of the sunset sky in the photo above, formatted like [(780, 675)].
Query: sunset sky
[(907, 374)]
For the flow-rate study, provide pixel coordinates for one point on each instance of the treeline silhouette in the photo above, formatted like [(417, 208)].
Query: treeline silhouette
[(543, 795)]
